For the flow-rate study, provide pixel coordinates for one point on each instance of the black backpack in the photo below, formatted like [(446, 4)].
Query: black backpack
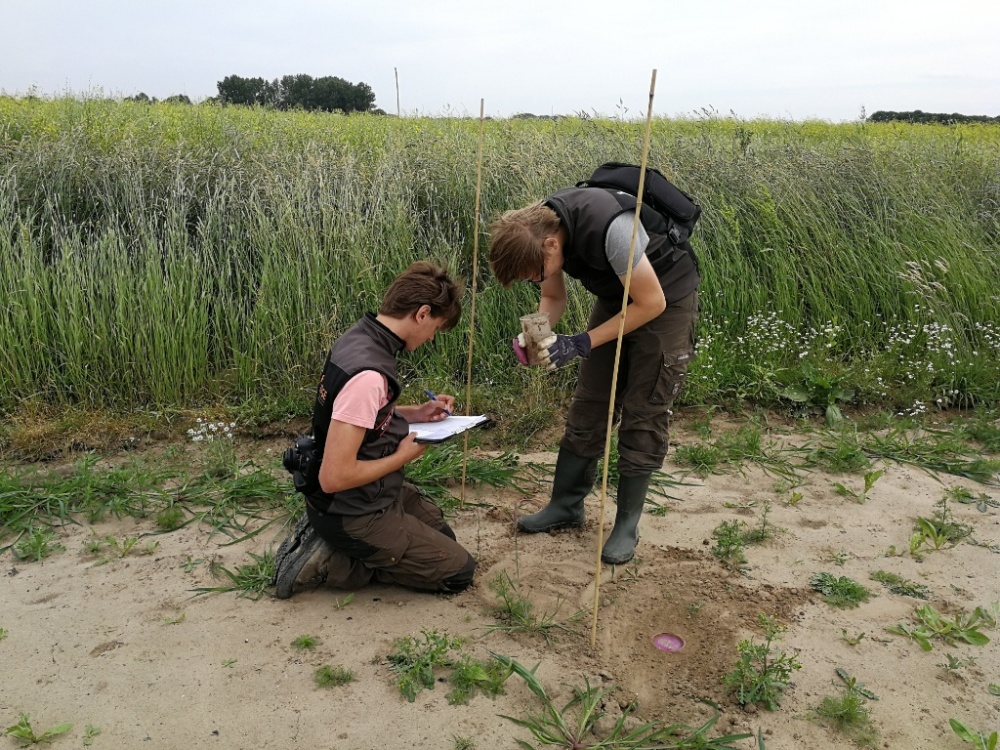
[(677, 207)]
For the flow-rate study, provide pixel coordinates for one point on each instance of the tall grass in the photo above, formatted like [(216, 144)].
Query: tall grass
[(172, 255)]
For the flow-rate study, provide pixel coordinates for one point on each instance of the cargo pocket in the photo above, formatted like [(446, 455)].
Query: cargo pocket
[(673, 372), (380, 540)]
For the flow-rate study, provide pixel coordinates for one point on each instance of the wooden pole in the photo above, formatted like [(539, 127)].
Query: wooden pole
[(472, 305), (396, 72), (618, 354)]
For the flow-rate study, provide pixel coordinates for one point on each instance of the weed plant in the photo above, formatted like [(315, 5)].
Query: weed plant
[(897, 584), (327, 676), (732, 538), (573, 725), (938, 532), (25, 732), (859, 497), (89, 732), (229, 505), (841, 592), (469, 676), (978, 740), (762, 674), (932, 453), (305, 643), (848, 713), (820, 391), (954, 663), (170, 518), (441, 468), (37, 543), (851, 640), (516, 613), (743, 446), (984, 431), (729, 545), (118, 548), (250, 579), (965, 496), (933, 626), (415, 660), (764, 531), (28, 497), (840, 452)]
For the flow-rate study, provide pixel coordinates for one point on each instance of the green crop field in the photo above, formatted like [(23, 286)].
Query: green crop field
[(170, 256)]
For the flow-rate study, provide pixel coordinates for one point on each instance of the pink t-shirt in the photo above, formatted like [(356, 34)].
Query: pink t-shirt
[(359, 401)]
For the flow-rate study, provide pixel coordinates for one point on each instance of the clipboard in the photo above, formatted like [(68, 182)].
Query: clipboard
[(446, 429)]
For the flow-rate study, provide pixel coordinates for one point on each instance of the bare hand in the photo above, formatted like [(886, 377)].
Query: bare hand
[(436, 410), (410, 449)]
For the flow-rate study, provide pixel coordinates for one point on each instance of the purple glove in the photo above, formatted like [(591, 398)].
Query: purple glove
[(519, 350), (564, 349)]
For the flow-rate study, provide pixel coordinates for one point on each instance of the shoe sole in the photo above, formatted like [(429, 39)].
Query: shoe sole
[(290, 545), (284, 585), (550, 527), (617, 561)]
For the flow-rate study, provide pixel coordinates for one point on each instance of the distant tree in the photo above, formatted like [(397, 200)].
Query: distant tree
[(140, 98), (300, 91), (919, 116), (248, 91), (178, 99), (296, 92)]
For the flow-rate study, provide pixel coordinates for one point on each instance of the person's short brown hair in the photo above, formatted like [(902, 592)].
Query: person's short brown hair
[(421, 284), (516, 242)]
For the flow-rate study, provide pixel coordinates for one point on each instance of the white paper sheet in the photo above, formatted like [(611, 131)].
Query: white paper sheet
[(436, 432)]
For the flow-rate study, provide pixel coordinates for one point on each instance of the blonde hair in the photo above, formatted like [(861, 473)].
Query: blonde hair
[(516, 242)]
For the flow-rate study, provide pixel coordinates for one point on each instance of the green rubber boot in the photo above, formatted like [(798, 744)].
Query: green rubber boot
[(573, 480), (620, 547)]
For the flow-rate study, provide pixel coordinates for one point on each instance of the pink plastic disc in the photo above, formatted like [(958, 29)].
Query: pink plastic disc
[(668, 642)]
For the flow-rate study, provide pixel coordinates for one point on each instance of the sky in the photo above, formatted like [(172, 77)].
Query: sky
[(776, 59)]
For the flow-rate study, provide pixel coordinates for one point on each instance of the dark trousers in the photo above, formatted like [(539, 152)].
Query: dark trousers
[(409, 544), (653, 366)]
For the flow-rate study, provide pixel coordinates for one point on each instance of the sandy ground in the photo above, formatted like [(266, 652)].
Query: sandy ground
[(99, 644)]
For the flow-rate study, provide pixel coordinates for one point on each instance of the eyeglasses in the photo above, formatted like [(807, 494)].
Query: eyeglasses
[(540, 278)]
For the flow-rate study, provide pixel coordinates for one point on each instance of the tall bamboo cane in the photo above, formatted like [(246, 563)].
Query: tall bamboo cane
[(618, 354), (472, 305)]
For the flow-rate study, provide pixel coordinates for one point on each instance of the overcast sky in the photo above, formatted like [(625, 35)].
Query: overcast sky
[(787, 59)]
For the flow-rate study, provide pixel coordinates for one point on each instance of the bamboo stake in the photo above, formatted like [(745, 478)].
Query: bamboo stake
[(472, 305), (618, 354)]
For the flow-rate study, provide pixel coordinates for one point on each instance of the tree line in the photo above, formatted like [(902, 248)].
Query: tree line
[(919, 116), (326, 93)]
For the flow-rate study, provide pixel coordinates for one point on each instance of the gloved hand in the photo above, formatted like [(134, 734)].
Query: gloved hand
[(560, 350), (520, 349)]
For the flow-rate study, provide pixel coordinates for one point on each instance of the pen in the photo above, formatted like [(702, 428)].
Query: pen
[(432, 397)]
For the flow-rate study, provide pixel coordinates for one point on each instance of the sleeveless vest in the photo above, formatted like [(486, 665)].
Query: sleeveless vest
[(368, 345), (586, 214)]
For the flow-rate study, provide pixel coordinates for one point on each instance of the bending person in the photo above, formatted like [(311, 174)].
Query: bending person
[(586, 233)]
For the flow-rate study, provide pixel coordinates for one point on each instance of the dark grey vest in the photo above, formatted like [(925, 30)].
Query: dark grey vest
[(586, 214), (368, 345)]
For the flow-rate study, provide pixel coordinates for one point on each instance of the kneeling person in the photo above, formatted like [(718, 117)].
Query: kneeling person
[(363, 520)]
